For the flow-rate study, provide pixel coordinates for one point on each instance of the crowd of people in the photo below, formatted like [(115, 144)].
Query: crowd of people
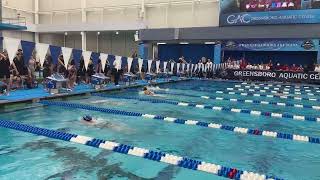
[(22, 74), (270, 66), (203, 68), (28, 74), (17, 74)]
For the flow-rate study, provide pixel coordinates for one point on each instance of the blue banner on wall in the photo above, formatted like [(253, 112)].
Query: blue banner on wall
[(76, 54), (272, 17), (272, 45), (55, 53), (27, 48), (95, 57)]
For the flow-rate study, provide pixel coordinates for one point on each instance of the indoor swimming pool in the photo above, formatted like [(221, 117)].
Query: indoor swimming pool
[(267, 129)]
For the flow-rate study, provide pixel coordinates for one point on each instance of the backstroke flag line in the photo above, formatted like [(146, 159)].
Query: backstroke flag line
[(103, 58), (11, 45), (86, 57), (42, 50), (129, 60), (66, 52)]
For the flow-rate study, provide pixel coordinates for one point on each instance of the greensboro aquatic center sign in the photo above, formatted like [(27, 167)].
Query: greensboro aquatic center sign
[(271, 17), (272, 75)]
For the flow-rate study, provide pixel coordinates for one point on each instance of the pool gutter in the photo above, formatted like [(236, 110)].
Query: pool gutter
[(63, 95)]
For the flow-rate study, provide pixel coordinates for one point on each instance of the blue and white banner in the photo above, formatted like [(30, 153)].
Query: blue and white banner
[(272, 45)]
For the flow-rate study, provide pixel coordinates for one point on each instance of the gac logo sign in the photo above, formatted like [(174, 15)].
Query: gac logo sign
[(239, 19)]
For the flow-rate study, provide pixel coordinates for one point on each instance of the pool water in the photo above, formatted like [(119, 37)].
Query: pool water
[(26, 156)]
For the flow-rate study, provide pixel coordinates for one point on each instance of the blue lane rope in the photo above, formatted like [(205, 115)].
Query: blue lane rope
[(257, 132), (245, 100), (271, 91), (282, 85), (257, 95), (235, 110), (286, 89), (268, 96), (184, 162)]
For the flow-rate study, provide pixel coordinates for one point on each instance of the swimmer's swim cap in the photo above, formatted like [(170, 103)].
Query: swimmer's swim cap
[(87, 118)]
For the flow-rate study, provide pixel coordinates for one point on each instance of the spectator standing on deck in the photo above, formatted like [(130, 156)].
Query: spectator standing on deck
[(72, 74), (61, 67), (90, 71), (5, 72), (19, 68), (116, 71), (134, 55), (99, 67)]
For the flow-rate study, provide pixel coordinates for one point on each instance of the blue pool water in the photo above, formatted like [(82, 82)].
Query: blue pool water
[(26, 156)]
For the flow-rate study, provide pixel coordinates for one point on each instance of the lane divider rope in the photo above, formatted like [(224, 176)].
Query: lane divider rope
[(268, 96), (274, 88), (227, 109), (241, 130), (271, 91), (245, 101), (184, 162), (257, 95), (282, 85)]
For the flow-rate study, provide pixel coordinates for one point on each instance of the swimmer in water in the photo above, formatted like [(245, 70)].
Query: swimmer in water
[(280, 93), (147, 92), (105, 125), (88, 120)]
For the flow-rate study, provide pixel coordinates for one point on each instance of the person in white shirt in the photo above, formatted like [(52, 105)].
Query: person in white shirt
[(260, 66), (317, 68), (116, 71), (249, 66)]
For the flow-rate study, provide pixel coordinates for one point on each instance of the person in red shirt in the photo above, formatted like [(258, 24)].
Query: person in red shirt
[(293, 68), (300, 69), (243, 64), (285, 68)]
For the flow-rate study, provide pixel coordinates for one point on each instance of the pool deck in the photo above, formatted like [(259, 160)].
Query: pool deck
[(36, 94)]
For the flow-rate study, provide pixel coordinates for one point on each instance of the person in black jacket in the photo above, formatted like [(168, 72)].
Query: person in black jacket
[(5, 72), (90, 71)]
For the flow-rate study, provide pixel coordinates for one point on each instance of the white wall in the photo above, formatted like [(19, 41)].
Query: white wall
[(53, 39), (49, 5), (175, 16), (122, 44), (101, 3), (159, 14), (21, 4), (27, 36), (25, 9), (111, 15)]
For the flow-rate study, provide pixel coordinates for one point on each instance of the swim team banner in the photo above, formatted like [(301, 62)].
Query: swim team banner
[(272, 45), (272, 75)]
